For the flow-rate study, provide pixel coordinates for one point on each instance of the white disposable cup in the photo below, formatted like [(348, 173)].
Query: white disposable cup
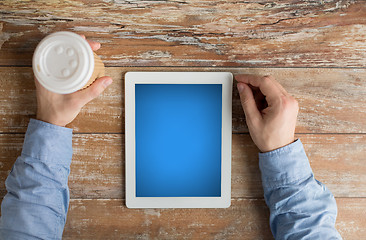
[(63, 62)]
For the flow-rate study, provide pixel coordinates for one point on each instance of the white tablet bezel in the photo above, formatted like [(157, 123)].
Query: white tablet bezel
[(223, 78)]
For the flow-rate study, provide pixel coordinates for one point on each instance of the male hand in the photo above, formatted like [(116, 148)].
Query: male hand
[(61, 109), (270, 111)]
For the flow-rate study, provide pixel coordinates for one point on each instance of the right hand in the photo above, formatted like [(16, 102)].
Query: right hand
[(270, 111)]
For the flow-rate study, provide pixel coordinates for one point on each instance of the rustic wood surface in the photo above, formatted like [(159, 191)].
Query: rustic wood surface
[(331, 100), (195, 33), (316, 50), (100, 174), (245, 219)]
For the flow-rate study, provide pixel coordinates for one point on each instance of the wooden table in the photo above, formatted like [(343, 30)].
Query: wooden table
[(316, 49)]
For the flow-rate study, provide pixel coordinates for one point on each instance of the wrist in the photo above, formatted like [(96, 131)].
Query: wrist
[(42, 137), (284, 165), (277, 145), (50, 120)]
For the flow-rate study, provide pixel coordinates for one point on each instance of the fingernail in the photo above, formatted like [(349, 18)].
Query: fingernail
[(240, 87), (98, 44), (107, 82)]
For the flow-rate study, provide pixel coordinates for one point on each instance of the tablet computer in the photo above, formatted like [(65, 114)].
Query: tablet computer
[(178, 139)]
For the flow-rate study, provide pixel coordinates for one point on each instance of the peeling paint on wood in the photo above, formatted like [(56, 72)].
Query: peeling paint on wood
[(198, 36), (337, 160), (331, 100), (245, 219), (195, 33)]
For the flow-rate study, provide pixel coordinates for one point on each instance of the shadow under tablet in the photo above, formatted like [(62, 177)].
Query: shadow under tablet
[(178, 140)]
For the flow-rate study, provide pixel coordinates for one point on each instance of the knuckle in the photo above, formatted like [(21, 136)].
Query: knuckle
[(293, 101), (94, 92), (266, 80), (245, 101), (269, 77), (290, 103), (284, 100)]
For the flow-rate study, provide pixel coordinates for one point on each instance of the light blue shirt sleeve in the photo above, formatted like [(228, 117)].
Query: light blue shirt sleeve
[(36, 204), (300, 206)]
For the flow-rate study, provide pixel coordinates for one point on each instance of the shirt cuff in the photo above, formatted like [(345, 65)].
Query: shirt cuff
[(48, 143), (284, 166)]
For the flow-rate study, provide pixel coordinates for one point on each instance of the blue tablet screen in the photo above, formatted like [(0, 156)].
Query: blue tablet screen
[(178, 140)]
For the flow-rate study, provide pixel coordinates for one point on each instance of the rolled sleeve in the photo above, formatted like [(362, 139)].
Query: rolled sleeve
[(300, 206), (48, 143), (36, 204), (284, 165)]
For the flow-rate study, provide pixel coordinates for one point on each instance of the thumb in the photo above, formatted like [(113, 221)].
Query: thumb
[(251, 111), (94, 90)]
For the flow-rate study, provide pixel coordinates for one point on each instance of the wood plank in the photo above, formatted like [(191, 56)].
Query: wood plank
[(245, 219), (195, 33), (331, 100), (97, 169), (18, 104), (110, 219), (337, 161), (351, 220)]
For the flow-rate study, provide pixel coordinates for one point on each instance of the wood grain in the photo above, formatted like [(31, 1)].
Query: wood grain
[(97, 169), (331, 100), (245, 219), (194, 33), (316, 49), (351, 220), (110, 219)]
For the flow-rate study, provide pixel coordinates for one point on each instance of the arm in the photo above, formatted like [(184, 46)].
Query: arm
[(36, 204), (38, 196), (300, 206)]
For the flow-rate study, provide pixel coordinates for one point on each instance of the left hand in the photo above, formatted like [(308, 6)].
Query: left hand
[(61, 109)]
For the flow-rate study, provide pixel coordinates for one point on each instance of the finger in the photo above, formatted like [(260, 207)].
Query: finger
[(251, 111), (265, 84), (284, 92), (86, 95), (94, 45)]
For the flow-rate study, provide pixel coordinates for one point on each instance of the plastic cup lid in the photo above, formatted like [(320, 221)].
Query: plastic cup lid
[(63, 62)]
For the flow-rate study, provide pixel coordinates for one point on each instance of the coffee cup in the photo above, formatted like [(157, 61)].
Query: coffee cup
[(64, 62)]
